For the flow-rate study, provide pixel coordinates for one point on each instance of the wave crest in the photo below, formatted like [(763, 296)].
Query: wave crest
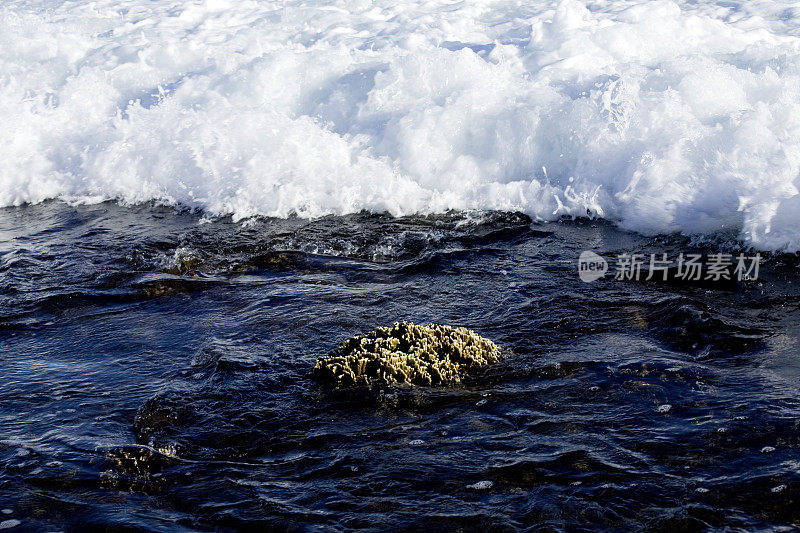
[(661, 117)]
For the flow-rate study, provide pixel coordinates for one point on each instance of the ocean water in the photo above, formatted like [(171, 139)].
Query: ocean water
[(200, 198), (660, 116), (156, 377)]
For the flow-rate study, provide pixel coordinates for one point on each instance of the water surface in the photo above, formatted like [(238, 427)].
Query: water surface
[(156, 377)]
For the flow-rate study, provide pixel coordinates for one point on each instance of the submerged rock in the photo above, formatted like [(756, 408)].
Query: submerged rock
[(407, 353)]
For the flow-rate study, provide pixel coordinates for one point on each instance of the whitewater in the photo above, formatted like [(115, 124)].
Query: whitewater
[(660, 116)]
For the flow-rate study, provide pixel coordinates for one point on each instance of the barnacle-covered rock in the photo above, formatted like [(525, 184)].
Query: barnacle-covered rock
[(407, 353)]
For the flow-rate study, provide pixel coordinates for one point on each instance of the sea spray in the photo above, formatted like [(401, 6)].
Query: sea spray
[(661, 116)]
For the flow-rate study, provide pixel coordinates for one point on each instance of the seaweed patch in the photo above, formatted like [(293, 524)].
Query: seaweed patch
[(407, 353)]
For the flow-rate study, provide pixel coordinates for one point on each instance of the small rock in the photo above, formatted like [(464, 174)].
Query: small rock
[(407, 353), (481, 485)]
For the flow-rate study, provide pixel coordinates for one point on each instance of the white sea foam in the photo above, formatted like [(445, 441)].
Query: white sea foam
[(658, 115)]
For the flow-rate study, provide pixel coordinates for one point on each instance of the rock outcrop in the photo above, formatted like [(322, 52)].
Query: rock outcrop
[(407, 353)]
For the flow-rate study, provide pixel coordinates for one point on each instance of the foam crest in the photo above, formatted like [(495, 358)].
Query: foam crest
[(661, 116)]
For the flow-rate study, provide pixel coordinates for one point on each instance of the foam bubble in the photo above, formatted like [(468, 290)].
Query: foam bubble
[(661, 116)]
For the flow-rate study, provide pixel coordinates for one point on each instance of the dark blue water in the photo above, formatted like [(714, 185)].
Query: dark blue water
[(155, 376)]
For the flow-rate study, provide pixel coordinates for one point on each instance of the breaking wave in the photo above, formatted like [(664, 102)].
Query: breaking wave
[(661, 116)]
